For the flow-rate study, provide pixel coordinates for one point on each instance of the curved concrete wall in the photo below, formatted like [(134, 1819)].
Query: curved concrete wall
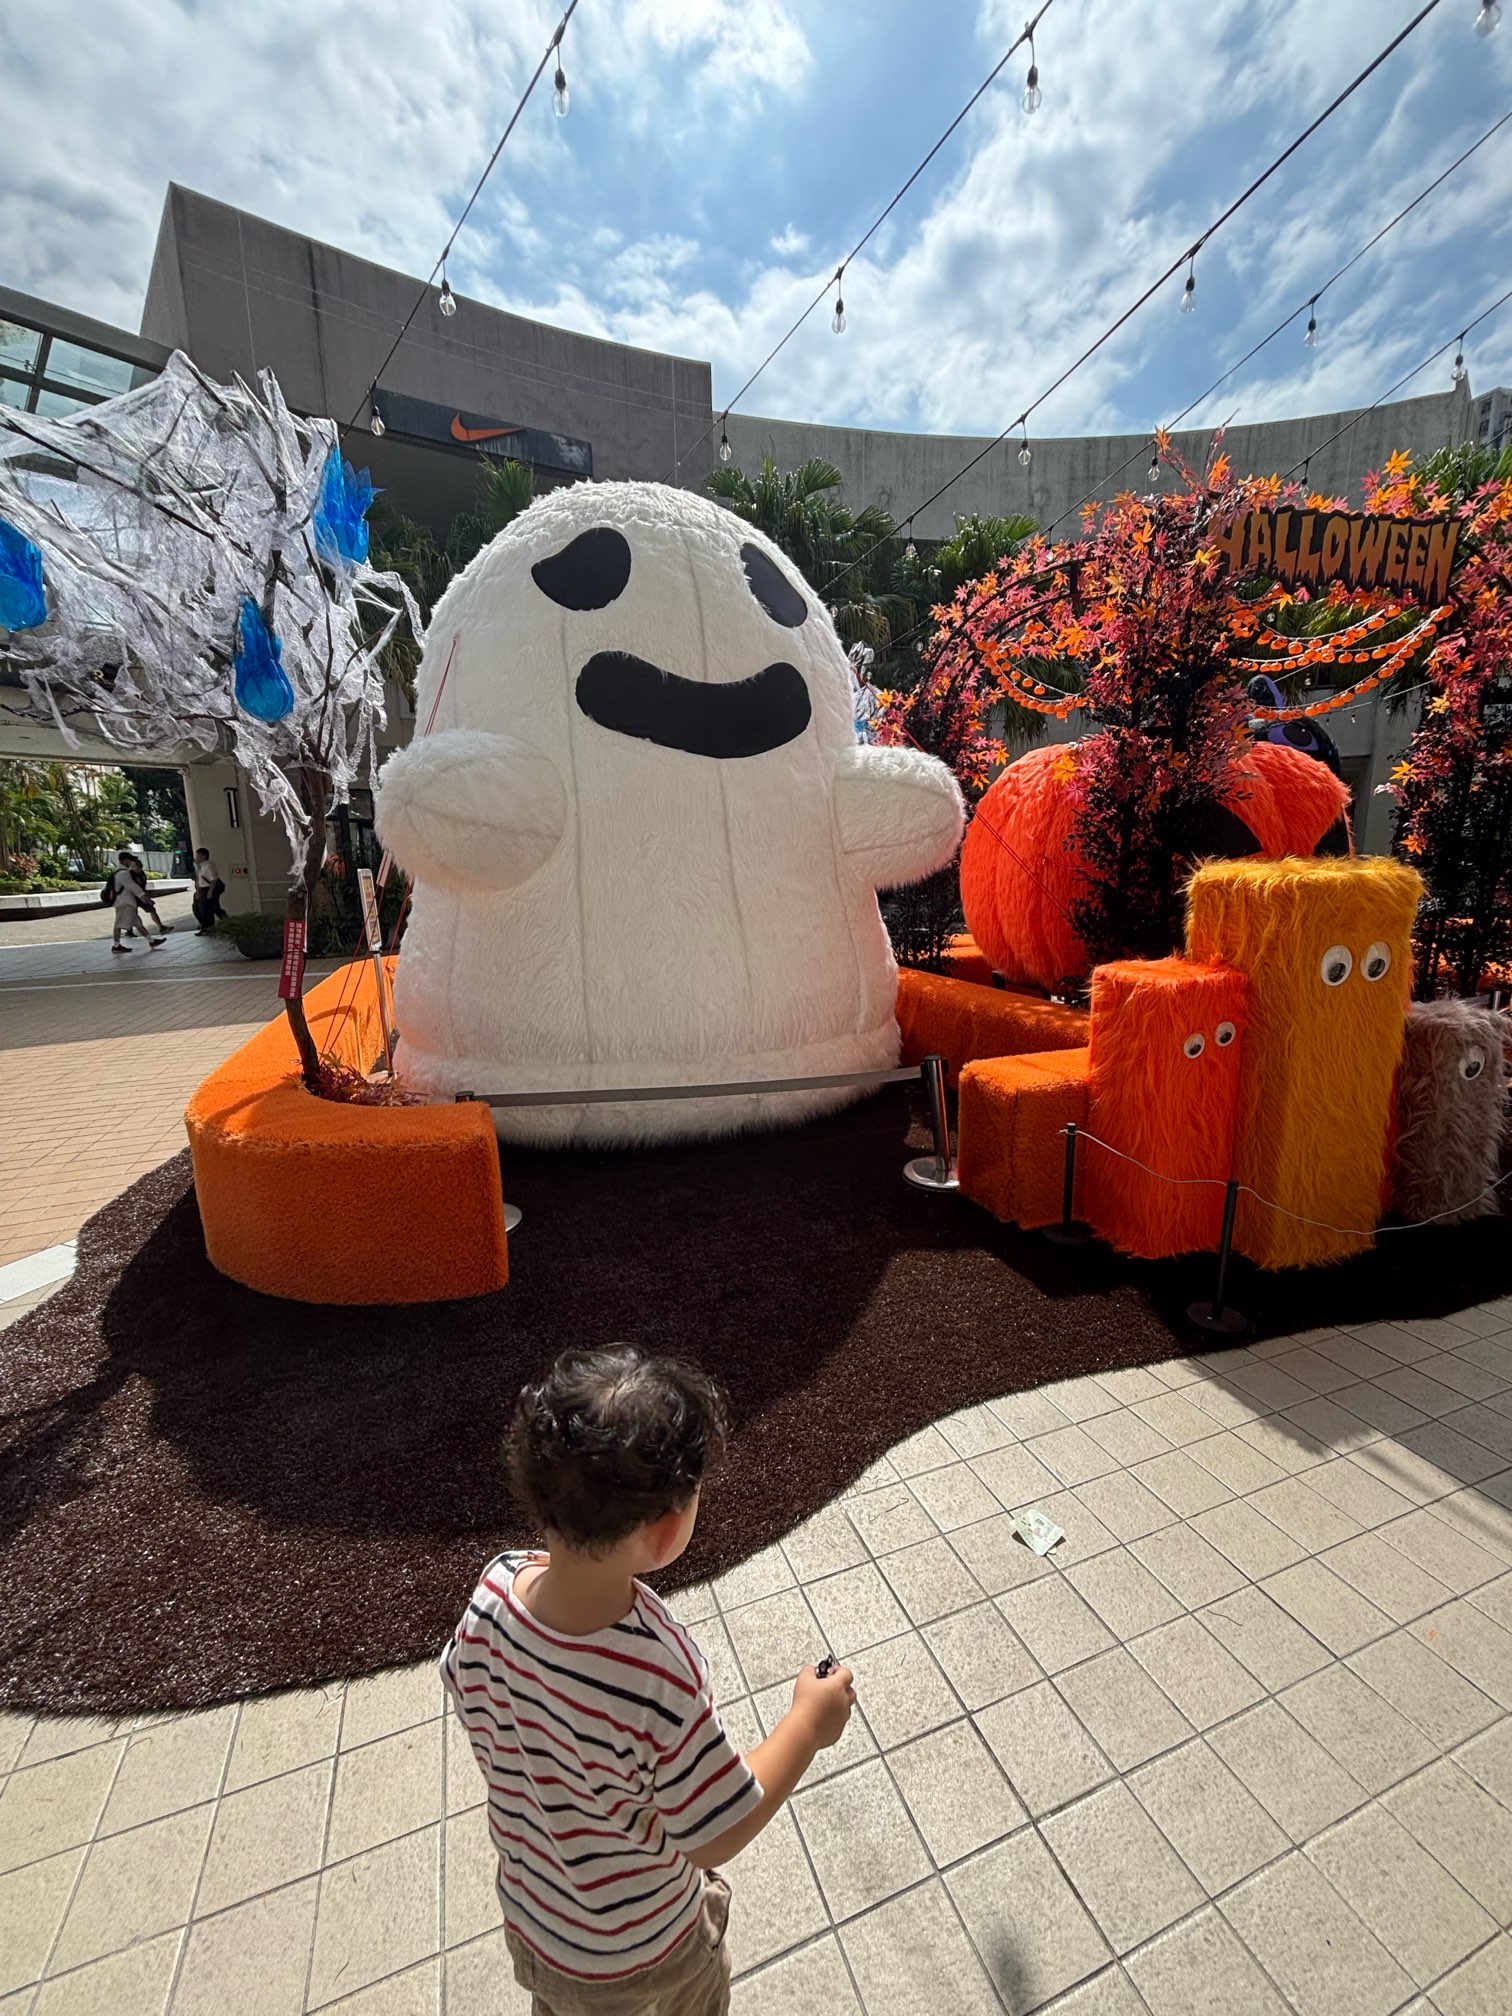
[(898, 471)]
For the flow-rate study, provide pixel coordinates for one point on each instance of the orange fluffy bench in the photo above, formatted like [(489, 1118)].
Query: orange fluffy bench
[(321, 1201), (959, 1021), (1012, 1154)]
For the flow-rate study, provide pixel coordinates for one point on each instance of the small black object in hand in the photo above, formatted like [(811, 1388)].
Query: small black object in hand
[(825, 1667)]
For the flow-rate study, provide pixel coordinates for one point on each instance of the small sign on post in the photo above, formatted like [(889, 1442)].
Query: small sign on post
[(374, 932), (370, 910), (291, 973)]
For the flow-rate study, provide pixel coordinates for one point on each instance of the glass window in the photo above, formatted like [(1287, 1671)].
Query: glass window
[(90, 370), (13, 393), (19, 345), (58, 405)]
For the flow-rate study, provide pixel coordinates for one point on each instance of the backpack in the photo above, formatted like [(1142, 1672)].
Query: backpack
[(108, 893)]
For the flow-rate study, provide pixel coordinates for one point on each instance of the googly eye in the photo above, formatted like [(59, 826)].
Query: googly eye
[(1224, 1034), (1195, 1044), (1377, 961), (1472, 1064), (1338, 964)]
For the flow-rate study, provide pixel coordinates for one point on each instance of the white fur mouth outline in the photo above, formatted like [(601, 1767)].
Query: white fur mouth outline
[(747, 717)]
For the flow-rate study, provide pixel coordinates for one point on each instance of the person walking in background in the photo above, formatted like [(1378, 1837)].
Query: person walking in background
[(128, 897), (144, 895), (866, 702), (208, 889)]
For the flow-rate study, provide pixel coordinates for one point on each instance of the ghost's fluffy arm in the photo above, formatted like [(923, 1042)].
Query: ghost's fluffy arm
[(465, 810), (899, 813)]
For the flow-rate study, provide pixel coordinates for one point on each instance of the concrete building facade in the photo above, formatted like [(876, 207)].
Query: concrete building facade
[(238, 294), (901, 471)]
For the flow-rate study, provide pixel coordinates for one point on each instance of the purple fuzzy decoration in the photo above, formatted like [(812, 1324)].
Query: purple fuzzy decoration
[(1451, 1111)]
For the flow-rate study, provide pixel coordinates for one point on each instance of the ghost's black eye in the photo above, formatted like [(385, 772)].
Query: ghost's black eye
[(772, 589), (589, 573)]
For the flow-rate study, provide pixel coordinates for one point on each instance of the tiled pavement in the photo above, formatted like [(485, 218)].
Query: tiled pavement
[(97, 1057), (1242, 1745)]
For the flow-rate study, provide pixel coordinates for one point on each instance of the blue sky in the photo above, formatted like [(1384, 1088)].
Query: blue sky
[(722, 155)]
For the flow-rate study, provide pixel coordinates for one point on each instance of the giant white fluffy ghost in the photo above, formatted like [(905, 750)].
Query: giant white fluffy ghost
[(644, 843)]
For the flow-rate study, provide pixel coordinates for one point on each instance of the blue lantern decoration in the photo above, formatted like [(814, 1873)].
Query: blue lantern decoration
[(23, 598), (262, 685), (341, 532)]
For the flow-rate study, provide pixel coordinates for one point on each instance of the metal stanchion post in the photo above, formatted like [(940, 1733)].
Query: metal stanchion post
[(512, 1212), (1215, 1316), (1070, 1231), (937, 1171)]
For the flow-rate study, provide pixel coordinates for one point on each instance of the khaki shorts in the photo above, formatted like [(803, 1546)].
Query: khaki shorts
[(693, 1980)]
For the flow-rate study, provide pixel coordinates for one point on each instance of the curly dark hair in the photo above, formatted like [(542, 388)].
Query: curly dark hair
[(610, 1439)]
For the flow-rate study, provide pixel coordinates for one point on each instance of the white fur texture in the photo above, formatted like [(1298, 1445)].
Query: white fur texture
[(473, 811), (699, 919)]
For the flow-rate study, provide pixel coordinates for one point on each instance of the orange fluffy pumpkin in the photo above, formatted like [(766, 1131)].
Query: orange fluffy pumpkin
[(1020, 872)]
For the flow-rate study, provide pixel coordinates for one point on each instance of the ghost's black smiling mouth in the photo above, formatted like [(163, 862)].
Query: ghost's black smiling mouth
[(631, 696)]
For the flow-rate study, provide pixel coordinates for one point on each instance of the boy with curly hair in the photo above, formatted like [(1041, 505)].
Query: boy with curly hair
[(613, 1791)]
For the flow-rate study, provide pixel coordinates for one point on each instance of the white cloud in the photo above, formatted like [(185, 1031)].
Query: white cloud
[(661, 214), (741, 45), (1027, 238), (366, 130)]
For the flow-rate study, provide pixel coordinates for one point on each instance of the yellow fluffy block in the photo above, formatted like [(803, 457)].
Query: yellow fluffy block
[(1326, 946)]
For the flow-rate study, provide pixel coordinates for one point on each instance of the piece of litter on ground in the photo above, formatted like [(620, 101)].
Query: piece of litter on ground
[(1037, 1530)]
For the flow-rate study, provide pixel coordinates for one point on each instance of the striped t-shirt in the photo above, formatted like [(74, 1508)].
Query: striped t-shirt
[(606, 1763)]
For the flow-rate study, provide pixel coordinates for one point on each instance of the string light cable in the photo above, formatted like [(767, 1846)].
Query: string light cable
[(837, 278), (1185, 258), (1415, 639), (1310, 305), (448, 301), (1391, 390)]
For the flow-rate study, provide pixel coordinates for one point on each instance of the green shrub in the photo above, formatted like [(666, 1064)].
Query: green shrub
[(254, 934), (34, 885)]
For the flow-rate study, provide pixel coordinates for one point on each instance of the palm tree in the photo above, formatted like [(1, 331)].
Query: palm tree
[(847, 557), (505, 489), (978, 545), (409, 549)]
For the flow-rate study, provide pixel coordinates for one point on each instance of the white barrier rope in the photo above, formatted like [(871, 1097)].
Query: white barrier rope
[(1322, 1225)]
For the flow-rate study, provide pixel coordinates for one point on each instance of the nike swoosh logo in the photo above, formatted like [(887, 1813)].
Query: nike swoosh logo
[(461, 433)]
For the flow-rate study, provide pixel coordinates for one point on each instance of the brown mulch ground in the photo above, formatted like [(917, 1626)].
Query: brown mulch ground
[(205, 1492)]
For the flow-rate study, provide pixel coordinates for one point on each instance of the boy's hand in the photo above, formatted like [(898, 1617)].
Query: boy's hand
[(825, 1704)]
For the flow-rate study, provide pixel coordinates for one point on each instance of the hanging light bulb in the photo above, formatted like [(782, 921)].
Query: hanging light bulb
[(1154, 470), (1189, 292), (1032, 93), (725, 450), (1490, 13), (837, 320), (1459, 373), (448, 302), (561, 103), (1310, 337), (375, 418), (910, 551), (1026, 453)]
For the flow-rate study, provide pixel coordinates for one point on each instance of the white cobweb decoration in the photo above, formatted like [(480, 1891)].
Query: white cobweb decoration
[(158, 515)]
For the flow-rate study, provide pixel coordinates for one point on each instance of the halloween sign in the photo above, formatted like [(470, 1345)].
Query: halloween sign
[(1309, 549)]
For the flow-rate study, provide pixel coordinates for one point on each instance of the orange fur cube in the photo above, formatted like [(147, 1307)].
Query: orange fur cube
[(1164, 1089), (1012, 1115), (957, 1020), (1327, 949)]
